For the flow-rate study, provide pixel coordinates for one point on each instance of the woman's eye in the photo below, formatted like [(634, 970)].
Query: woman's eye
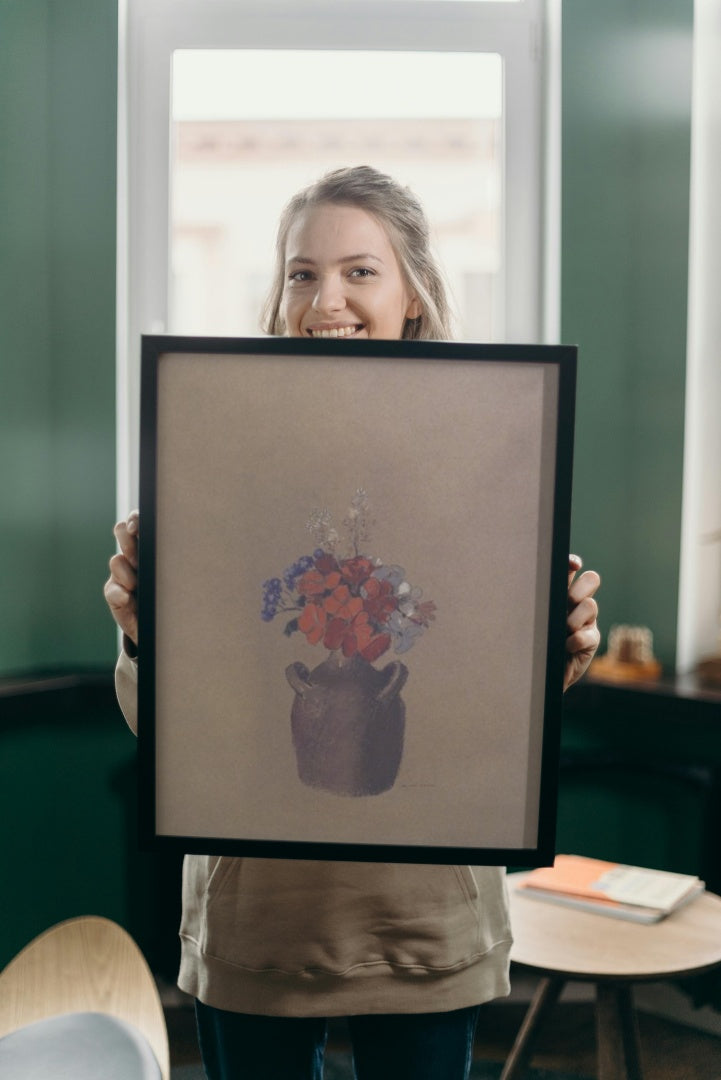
[(362, 272), (300, 276)]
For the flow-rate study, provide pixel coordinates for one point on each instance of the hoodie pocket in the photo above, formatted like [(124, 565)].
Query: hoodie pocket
[(300, 916)]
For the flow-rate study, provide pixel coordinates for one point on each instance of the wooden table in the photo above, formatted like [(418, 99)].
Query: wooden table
[(562, 944)]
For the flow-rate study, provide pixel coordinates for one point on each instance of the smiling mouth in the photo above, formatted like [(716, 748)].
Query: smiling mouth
[(336, 331)]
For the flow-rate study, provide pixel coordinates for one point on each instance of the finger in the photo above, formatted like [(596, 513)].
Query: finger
[(126, 534), (583, 641), (123, 572), (123, 608), (582, 614), (119, 599), (575, 562), (577, 665), (585, 585)]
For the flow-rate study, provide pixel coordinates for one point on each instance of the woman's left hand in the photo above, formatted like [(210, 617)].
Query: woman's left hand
[(582, 634)]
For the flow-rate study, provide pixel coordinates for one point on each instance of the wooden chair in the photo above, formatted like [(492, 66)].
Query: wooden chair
[(87, 967)]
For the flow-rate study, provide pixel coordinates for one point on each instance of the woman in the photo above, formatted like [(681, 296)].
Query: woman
[(271, 948)]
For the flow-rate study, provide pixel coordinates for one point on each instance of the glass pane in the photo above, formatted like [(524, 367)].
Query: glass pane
[(250, 128)]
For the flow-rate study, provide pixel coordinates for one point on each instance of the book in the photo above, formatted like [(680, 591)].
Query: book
[(608, 888)]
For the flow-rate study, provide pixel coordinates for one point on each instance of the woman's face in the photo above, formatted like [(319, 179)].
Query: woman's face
[(342, 277)]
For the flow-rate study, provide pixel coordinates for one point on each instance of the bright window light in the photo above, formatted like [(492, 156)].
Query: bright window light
[(251, 127), (259, 84)]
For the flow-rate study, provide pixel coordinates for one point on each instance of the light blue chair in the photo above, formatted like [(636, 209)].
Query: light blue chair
[(80, 1003)]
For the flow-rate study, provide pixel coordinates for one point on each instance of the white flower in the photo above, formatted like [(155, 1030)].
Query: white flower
[(403, 631), (319, 524)]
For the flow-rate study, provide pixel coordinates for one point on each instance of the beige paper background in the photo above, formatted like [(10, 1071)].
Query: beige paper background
[(454, 456)]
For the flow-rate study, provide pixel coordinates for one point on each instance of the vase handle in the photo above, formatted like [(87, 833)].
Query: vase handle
[(298, 676), (396, 675)]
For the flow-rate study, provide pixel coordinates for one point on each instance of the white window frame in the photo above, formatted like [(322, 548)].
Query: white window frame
[(699, 597), (526, 34)]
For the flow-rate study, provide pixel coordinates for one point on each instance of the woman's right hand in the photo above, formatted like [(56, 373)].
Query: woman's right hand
[(121, 587)]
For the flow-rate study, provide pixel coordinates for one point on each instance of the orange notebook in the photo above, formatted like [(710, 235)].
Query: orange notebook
[(631, 892)]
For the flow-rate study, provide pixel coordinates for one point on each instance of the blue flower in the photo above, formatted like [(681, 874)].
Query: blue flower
[(272, 592), (403, 632), (298, 568)]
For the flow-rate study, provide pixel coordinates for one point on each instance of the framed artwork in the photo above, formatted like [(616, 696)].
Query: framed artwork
[(352, 597)]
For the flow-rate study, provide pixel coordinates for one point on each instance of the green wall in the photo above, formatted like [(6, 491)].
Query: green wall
[(68, 807), (625, 200), (66, 758), (58, 72)]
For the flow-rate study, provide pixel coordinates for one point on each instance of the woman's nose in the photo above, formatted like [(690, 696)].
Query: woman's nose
[(329, 296)]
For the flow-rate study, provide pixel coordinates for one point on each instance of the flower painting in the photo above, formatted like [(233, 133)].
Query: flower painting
[(307, 504), (348, 718)]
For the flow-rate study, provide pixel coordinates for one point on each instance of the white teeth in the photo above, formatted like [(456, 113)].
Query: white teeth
[(335, 332)]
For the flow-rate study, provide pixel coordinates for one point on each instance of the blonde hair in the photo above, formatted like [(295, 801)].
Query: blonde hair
[(403, 217)]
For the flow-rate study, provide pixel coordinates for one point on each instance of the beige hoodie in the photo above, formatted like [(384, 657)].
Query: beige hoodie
[(298, 938)]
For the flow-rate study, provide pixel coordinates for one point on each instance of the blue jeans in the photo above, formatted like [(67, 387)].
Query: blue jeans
[(414, 1046)]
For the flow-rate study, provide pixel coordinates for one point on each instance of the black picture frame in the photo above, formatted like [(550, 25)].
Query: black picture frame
[(463, 456)]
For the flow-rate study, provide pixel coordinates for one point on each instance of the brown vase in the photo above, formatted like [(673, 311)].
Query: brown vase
[(347, 722)]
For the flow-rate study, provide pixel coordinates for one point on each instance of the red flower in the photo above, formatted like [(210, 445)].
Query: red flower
[(315, 582), (379, 601), (425, 613), (339, 635), (312, 622), (357, 636), (326, 563), (355, 571), (341, 604), (377, 645)]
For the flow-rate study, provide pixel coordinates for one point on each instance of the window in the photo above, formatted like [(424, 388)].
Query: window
[(236, 161), (227, 107)]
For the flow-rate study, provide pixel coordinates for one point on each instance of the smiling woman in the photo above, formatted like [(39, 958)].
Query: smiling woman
[(353, 260), (329, 293)]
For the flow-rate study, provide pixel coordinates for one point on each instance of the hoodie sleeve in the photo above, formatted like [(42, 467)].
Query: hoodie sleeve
[(126, 688)]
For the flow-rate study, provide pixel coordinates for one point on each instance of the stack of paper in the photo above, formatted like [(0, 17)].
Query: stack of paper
[(624, 892)]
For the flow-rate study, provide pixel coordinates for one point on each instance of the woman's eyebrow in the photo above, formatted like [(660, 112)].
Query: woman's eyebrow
[(361, 257)]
